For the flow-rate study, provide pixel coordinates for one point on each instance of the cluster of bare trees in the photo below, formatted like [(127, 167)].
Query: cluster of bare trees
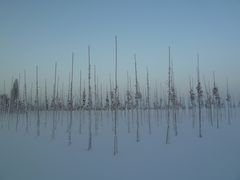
[(134, 98), (210, 100), (139, 97)]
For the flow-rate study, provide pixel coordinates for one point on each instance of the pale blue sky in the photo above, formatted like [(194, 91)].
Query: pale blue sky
[(42, 32)]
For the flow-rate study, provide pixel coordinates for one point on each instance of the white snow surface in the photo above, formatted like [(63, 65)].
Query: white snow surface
[(32, 156)]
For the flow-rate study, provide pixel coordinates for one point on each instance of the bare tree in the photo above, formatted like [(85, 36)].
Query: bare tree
[(192, 101), (53, 103), (89, 81), (228, 99), (46, 104), (137, 97), (107, 102), (80, 90), (116, 102), (25, 101), (89, 101), (71, 106), (46, 97), (174, 102), (37, 103), (84, 97), (80, 103), (169, 95), (18, 103), (216, 99), (199, 97), (148, 103), (95, 100), (54, 89), (209, 102), (14, 95)]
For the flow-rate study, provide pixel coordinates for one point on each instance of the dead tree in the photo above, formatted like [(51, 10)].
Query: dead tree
[(228, 99), (169, 96), (46, 103), (107, 102), (174, 102), (84, 98), (71, 106), (137, 97), (216, 99), (53, 104), (129, 102), (54, 89), (148, 104), (80, 90), (80, 103), (95, 100), (37, 103), (18, 102), (89, 102), (192, 102), (116, 102), (199, 97), (209, 102), (25, 100), (46, 97)]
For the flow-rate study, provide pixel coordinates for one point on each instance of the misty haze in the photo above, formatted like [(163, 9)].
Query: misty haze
[(119, 90)]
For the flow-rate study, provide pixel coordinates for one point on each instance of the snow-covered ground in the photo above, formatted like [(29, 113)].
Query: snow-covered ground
[(57, 149)]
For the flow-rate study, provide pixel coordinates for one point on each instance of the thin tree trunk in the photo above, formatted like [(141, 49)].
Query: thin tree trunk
[(26, 102), (169, 99), (115, 149), (148, 104), (71, 106), (199, 98), (37, 104), (89, 101), (137, 98)]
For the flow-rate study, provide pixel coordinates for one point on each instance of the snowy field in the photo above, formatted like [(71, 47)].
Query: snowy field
[(55, 147)]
